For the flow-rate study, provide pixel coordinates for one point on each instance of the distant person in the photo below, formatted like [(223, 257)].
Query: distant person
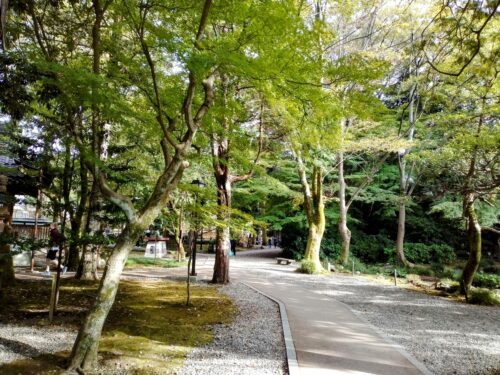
[(233, 246), (269, 243), (275, 242), (55, 240)]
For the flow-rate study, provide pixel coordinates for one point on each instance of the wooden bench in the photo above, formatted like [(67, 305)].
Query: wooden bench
[(284, 260)]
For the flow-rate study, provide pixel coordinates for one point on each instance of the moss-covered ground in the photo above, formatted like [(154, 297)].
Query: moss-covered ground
[(150, 329), (138, 261)]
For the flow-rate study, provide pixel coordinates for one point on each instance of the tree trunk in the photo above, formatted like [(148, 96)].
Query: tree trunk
[(181, 253), (404, 180), (401, 232), (344, 231), (221, 267), (265, 239), (474, 239), (224, 192), (88, 266), (84, 353), (220, 163), (315, 212), (78, 220), (87, 269), (314, 238), (7, 274)]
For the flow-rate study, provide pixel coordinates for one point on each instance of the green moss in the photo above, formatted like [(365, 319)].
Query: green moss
[(136, 262), (149, 329)]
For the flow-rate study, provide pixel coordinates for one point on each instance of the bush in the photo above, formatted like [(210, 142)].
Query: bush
[(492, 269), (451, 274), (486, 280), (330, 249), (373, 269), (370, 248), (307, 266), (484, 297), (426, 254), (401, 271), (422, 271)]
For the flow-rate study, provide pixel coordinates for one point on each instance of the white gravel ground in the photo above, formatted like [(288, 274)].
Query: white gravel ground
[(446, 336), (22, 342), (252, 344)]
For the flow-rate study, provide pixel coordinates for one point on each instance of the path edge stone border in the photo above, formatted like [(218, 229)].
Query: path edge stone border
[(291, 355), (415, 362)]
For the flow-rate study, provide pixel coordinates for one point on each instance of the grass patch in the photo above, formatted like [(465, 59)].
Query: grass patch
[(484, 297), (307, 267), (149, 330), (141, 261)]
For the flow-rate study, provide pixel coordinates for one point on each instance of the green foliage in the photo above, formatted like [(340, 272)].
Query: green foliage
[(484, 297), (400, 271), (30, 244), (370, 248), (424, 253), (421, 271), (308, 267), (486, 280), (492, 269)]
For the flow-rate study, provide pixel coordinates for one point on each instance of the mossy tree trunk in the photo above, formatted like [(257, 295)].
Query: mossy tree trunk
[(7, 274), (474, 240), (174, 150), (315, 211), (473, 225), (84, 353)]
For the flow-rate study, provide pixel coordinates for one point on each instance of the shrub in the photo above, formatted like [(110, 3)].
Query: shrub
[(373, 269), (330, 249), (370, 248), (422, 271), (423, 253), (451, 274), (307, 266), (486, 280), (401, 271), (484, 297), (492, 269)]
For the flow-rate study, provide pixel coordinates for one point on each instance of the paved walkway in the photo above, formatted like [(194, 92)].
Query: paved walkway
[(328, 337)]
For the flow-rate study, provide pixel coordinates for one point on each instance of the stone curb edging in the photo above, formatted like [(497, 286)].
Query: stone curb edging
[(291, 356), (415, 362)]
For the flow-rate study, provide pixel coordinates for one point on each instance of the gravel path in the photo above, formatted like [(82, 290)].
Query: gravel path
[(448, 337), (252, 344), (22, 342)]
